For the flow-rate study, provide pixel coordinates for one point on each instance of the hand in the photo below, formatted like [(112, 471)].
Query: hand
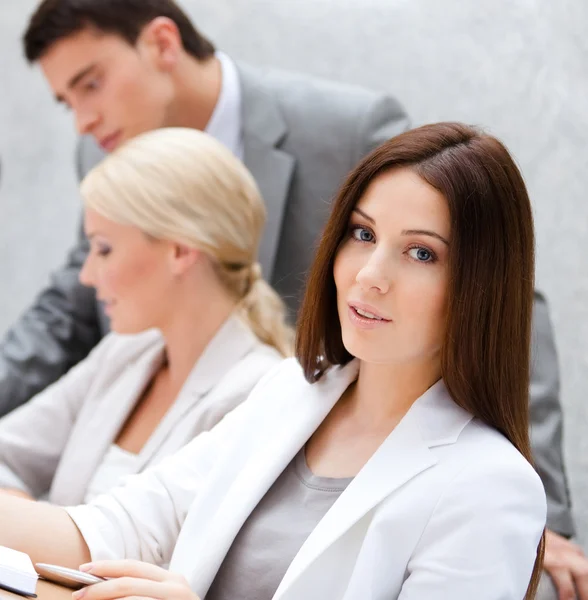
[(16, 493), (133, 579), (567, 565)]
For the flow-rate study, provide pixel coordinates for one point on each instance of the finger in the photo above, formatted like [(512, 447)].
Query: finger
[(573, 547), (122, 587), (562, 579), (126, 568), (579, 568), (582, 588)]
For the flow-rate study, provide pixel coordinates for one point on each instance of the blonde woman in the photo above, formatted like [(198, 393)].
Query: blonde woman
[(174, 222)]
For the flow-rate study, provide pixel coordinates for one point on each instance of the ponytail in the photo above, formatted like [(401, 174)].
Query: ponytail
[(260, 307)]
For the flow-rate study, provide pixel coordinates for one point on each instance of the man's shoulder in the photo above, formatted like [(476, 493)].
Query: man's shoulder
[(295, 91)]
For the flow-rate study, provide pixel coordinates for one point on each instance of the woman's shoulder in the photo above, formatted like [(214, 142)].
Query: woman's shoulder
[(277, 377), (289, 371), (242, 376), (280, 370), (284, 392), (462, 442), (264, 353), (484, 511), (490, 464)]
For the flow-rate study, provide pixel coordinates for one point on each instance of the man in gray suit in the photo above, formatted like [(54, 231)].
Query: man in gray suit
[(127, 66)]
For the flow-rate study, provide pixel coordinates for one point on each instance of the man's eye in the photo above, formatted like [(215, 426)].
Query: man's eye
[(361, 234)]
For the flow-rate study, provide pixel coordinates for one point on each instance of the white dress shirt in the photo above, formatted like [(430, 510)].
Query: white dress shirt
[(115, 466), (225, 124)]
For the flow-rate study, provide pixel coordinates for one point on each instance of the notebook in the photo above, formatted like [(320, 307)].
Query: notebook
[(17, 573)]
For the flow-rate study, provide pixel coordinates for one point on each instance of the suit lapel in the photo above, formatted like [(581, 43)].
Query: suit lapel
[(366, 490), (229, 345), (299, 414), (263, 129), (432, 420), (108, 416)]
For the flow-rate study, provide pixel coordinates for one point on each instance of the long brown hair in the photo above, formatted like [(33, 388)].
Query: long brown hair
[(485, 358)]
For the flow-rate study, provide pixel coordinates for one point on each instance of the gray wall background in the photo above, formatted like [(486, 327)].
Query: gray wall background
[(517, 68)]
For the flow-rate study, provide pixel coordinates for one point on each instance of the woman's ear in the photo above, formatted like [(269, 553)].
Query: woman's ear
[(162, 37), (183, 258)]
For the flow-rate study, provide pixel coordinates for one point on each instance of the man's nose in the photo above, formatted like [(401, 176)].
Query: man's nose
[(86, 120)]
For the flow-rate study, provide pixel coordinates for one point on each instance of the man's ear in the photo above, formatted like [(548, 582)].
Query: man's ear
[(164, 42), (183, 258)]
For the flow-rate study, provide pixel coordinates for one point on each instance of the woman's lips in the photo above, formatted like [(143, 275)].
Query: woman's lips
[(110, 142), (366, 322)]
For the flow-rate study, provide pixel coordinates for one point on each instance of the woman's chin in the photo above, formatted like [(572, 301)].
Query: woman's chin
[(362, 349), (370, 353)]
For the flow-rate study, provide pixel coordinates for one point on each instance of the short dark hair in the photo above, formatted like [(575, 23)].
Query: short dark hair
[(485, 358), (55, 20)]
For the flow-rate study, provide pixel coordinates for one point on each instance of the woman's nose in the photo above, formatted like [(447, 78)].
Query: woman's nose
[(85, 275), (375, 275)]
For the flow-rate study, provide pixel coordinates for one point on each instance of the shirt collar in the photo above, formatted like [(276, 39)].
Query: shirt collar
[(228, 346), (225, 121)]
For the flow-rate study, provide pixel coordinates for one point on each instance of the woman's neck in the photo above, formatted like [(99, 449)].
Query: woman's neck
[(384, 393), (188, 332)]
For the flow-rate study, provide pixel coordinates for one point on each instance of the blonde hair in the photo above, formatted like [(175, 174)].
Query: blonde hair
[(184, 186)]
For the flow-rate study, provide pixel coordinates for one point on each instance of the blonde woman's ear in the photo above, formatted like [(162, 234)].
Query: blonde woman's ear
[(184, 258)]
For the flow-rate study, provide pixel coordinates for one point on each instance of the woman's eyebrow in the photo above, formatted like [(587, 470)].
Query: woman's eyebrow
[(405, 231), (364, 215), (425, 232)]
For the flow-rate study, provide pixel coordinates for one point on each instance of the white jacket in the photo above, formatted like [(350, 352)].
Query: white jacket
[(54, 443), (445, 508)]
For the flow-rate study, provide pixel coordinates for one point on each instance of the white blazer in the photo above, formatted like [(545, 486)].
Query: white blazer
[(55, 442), (445, 508)]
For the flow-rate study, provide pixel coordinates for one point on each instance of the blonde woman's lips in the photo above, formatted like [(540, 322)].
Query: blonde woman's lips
[(110, 142)]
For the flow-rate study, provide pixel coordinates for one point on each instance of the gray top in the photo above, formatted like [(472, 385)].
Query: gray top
[(274, 533)]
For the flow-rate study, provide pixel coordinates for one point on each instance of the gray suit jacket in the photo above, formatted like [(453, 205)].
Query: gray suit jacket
[(301, 137)]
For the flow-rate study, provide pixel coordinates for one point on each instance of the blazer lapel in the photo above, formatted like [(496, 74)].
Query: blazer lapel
[(263, 129), (404, 454), (300, 413), (105, 422), (232, 341)]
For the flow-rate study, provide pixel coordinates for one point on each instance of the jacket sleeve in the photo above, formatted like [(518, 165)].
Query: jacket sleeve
[(60, 328), (33, 437), (547, 421), (481, 540), (56, 332)]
